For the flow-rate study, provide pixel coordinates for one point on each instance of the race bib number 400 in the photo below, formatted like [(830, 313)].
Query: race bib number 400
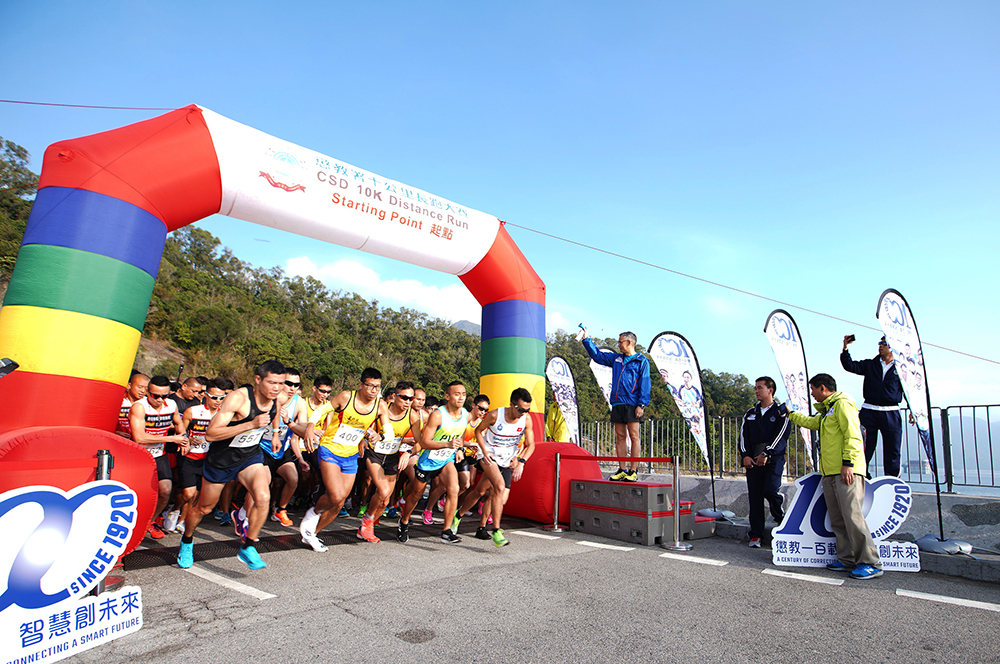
[(348, 436)]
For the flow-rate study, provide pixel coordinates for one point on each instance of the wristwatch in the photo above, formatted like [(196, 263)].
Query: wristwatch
[(522, 461)]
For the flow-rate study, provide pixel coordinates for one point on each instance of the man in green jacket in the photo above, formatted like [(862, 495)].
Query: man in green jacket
[(842, 463)]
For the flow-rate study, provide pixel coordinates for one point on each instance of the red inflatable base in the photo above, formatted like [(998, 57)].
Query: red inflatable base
[(533, 496), (66, 457)]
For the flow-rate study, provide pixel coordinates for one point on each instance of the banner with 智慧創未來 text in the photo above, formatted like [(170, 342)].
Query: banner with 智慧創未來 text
[(564, 391), (678, 366), (901, 334), (786, 343)]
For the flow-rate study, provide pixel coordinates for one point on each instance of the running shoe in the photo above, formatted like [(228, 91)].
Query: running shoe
[(450, 537), (367, 532), (391, 513), (499, 539), (250, 556), (754, 542), (170, 522), (309, 522), (428, 518), (225, 519), (454, 524), (217, 514), (489, 520), (865, 572), (619, 476), (316, 543), (281, 516), (239, 525), (343, 512), (402, 534), (838, 567), (185, 555), (361, 512), (440, 507), (155, 531), (631, 476), (482, 533)]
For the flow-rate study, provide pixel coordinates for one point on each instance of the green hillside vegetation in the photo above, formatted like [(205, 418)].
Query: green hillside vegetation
[(226, 316)]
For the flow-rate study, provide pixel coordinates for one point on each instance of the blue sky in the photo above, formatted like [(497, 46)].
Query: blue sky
[(811, 154)]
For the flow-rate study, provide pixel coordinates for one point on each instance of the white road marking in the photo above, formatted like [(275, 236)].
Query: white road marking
[(949, 600), (607, 546), (229, 583), (804, 577), (694, 559), (528, 533)]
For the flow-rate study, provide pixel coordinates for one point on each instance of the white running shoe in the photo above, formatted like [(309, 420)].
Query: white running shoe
[(170, 521), (315, 542), (309, 522)]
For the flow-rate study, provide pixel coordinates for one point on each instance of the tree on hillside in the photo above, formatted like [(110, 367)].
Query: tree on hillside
[(18, 185)]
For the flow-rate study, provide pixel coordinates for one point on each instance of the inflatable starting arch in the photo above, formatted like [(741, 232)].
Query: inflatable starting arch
[(77, 301), (81, 286)]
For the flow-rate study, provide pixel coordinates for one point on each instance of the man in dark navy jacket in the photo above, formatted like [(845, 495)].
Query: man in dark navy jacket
[(763, 439), (880, 411)]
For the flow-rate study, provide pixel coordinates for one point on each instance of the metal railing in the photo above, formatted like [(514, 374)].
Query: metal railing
[(967, 441)]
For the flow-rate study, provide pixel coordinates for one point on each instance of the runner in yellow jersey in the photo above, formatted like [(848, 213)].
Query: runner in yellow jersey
[(354, 413), (440, 438), (384, 457)]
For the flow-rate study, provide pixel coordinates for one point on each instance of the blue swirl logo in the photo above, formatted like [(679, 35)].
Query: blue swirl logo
[(66, 542)]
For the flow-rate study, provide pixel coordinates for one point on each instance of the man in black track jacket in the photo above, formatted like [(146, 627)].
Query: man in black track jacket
[(763, 438)]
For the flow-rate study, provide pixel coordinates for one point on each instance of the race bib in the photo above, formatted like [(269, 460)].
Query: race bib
[(348, 436), (198, 445), (441, 455), (155, 450), (390, 446), (405, 447), (251, 438), (504, 455)]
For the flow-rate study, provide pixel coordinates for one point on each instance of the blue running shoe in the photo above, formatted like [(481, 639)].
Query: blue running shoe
[(217, 514), (250, 556), (343, 512), (225, 519), (838, 567), (866, 572), (185, 555)]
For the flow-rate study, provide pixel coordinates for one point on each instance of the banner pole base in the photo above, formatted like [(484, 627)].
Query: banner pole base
[(554, 528), (677, 546)]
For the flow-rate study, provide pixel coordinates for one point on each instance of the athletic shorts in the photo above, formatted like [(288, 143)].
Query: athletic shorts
[(507, 474), (275, 464), (214, 475), (624, 414), (389, 462), (163, 471), (189, 472), (348, 465), (426, 476), (464, 465)]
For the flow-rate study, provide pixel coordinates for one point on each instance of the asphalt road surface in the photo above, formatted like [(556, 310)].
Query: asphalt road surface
[(546, 598)]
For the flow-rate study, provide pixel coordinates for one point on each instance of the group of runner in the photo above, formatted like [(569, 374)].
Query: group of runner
[(212, 438)]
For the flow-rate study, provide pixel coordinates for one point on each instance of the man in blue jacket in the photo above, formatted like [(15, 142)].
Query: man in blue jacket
[(880, 411), (629, 397)]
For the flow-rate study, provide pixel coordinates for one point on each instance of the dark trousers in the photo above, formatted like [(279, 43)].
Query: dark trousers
[(763, 483), (890, 424)]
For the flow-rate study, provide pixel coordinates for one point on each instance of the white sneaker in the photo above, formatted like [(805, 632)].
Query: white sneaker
[(170, 521), (309, 522), (315, 542)]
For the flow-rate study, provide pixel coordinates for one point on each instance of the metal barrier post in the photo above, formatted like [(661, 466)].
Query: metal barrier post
[(949, 476), (554, 528), (677, 544), (105, 462)]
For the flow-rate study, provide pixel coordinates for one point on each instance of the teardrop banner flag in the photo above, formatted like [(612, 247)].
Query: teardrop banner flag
[(603, 375), (678, 366), (564, 390), (786, 342), (901, 334)]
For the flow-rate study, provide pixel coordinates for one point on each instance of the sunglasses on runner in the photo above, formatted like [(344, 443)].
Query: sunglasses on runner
[(404, 397), (291, 384), (218, 398), (153, 395), (521, 410)]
